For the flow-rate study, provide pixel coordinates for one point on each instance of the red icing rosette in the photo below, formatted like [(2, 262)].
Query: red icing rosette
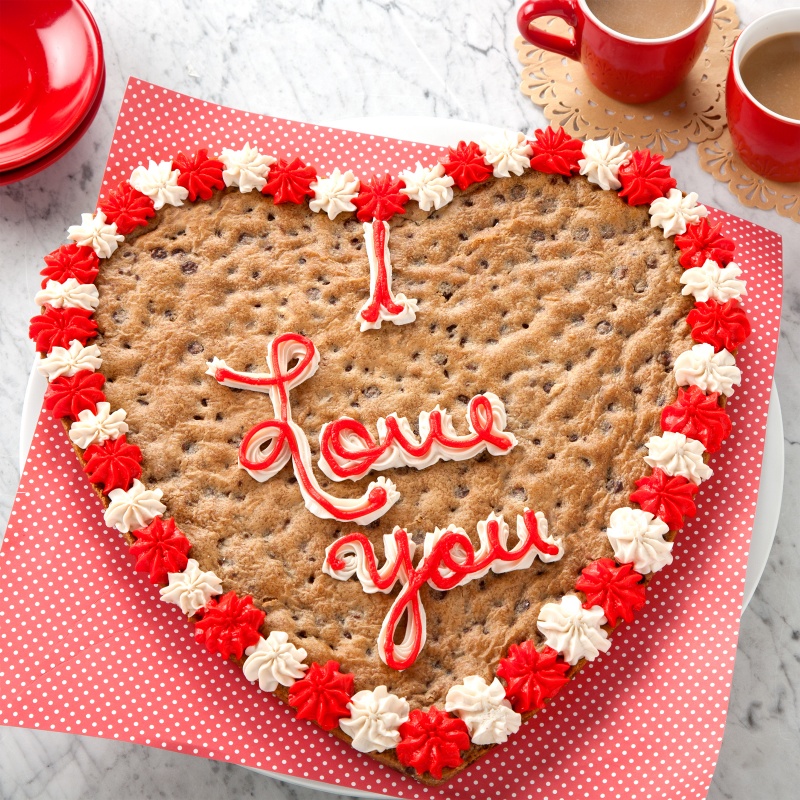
[(644, 178), (322, 695), (229, 625), (556, 152), (161, 548), (670, 498), (722, 325), (698, 416), (113, 464), (290, 181), (199, 174), (380, 199), (466, 165), (57, 327), (70, 261), (128, 207), (617, 589), (532, 676), (432, 740), (702, 242), (67, 397)]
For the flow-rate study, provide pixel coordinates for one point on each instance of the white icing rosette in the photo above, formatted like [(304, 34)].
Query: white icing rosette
[(69, 294), (488, 715), (246, 168), (712, 282), (509, 152), (375, 717), (674, 213), (709, 371), (95, 428), (429, 186), (135, 508), (638, 538), (676, 454), (334, 194), (192, 588), (572, 630), (601, 162), (62, 361), (94, 232), (160, 183), (274, 661)]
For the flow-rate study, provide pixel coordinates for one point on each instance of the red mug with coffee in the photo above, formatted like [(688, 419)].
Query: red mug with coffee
[(632, 50), (763, 95)]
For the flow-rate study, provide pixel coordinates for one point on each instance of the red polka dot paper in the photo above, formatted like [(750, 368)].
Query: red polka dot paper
[(88, 648)]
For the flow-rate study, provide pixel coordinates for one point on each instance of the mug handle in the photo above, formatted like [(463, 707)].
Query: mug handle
[(564, 9)]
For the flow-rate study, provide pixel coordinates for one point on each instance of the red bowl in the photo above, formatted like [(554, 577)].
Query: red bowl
[(52, 58), (26, 170)]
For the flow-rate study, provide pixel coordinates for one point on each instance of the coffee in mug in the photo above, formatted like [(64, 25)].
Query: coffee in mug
[(647, 19), (770, 71), (625, 63), (762, 95)]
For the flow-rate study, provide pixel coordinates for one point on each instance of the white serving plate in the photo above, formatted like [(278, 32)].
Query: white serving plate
[(448, 132)]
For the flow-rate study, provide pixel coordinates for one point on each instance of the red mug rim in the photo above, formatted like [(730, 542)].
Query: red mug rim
[(701, 18), (739, 51)]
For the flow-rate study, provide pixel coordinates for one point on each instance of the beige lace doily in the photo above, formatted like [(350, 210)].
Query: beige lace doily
[(719, 159), (694, 112)]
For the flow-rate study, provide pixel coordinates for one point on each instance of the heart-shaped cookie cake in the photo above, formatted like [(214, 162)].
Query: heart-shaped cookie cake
[(407, 449)]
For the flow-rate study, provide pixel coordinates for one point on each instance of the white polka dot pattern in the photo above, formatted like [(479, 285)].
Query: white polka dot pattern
[(157, 123), (87, 647)]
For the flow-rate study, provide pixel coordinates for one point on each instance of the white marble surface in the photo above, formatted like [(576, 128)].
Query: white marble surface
[(320, 61)]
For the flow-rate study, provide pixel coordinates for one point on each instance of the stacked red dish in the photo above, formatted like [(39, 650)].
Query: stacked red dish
[(53, 81)]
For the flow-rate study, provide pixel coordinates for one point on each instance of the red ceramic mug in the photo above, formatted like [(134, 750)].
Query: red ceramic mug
[(626, 68), (767, 142)]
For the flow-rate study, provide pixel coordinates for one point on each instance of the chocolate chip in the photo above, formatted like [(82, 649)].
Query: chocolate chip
[(580, 234), (664, 358)]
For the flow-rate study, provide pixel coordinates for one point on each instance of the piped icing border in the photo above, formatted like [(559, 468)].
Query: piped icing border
[(608, 591)]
